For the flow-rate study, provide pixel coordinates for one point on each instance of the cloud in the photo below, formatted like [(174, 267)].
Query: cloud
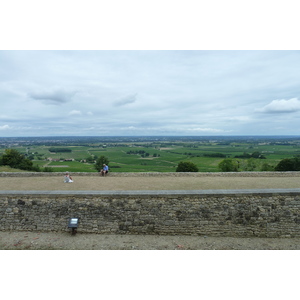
[(5, 127), (75, 113), (125, 100), (239, 118), (57, 96), (154, 92), (281, 106), (205, 130)]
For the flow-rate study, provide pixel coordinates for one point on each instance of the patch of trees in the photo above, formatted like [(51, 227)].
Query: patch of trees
[(288, 164), (142, 153), (204, 154), (59, 150), (251, 164), (186, 166), (267, 167), (139, 152), (100, 162), (188, 153), (16, 160), (228, 165), (255, 154), (91, 159)]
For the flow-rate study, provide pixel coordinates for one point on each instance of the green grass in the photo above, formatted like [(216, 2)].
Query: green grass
[(9, 169), (169, 156)]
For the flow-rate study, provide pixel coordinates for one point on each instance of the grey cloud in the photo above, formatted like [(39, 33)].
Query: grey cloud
[(179, 92), (58, 96), (126, 100)]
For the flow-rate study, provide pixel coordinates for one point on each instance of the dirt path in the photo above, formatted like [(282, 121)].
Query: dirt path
[(148, 183), (65, 241)]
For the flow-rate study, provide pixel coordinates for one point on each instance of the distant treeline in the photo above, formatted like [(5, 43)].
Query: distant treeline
[(142, 153), (214, 155), (59, 149), (253, 155), (201, 154)]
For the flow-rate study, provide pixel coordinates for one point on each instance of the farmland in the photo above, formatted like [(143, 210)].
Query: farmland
[(153, 154)]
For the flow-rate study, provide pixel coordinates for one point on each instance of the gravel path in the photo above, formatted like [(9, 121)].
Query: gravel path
[(148, 183), (65, 241)]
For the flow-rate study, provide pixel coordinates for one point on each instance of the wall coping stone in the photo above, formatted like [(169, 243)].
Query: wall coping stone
[(157, 174), (156, 192)]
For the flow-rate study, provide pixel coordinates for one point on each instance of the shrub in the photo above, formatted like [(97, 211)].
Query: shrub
[(228, 165), (186, 166), (267, 167), (15, 159), (288, 164), (100, 161)]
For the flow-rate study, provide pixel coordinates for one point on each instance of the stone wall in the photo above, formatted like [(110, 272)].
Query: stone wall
[(217, 213)]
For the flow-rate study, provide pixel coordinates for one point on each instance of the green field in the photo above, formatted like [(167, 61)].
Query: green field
[(161, 156)]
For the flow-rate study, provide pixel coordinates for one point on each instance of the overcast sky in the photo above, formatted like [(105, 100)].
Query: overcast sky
[(104, 93)]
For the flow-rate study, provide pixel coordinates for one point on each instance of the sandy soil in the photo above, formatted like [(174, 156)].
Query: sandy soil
[(148, 183), (65, 241)]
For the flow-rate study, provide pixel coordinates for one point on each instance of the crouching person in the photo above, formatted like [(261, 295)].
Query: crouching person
[(104, 171), (68, 178)]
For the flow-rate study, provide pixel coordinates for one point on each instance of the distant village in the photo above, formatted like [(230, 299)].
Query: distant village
[(59, 159), (64, 159)]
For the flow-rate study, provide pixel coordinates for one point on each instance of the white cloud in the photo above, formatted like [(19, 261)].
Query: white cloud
[(5, 127), (212, 130), (75, 113), (239, 118), (281, 106)]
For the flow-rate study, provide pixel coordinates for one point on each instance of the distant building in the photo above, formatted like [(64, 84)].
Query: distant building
[(53, 159)]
